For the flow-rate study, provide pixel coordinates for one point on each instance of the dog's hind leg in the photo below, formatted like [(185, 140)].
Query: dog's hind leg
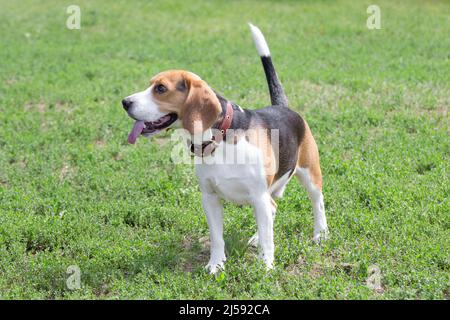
[(309, 174), (264, 218), (254, 240), (276, 191), (316, 197)]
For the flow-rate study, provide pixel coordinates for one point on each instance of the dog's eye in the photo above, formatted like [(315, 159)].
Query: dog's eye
[(160, 89)]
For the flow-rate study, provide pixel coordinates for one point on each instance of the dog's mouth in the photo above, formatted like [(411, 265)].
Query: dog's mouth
[(150, 128)]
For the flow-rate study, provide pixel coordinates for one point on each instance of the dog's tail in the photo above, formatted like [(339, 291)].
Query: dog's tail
[(277, 96)]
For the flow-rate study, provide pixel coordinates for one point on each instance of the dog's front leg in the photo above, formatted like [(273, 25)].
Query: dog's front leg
[(214, 215), (264, 219)]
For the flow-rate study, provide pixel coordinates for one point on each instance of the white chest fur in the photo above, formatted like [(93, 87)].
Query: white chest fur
[(235, 172)]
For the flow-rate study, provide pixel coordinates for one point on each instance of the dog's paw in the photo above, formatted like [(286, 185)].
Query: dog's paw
[(269, 265), (253, 241), (213, 267), (268, 260), (320, 236)]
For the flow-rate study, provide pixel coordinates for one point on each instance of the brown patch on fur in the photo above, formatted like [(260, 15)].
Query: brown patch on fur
[(269, 179), (309, 157), (173, 99), (189, 97), (201, 109), (260, 137)]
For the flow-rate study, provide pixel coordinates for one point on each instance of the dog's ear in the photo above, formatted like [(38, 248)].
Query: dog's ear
[(201, 108)]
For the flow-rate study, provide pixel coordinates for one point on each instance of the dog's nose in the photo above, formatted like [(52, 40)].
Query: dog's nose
[(126, 104)]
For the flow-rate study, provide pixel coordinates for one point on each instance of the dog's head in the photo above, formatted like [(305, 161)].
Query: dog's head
[(173, 96)]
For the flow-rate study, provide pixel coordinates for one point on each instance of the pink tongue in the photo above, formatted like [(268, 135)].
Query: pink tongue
[(136, 131)]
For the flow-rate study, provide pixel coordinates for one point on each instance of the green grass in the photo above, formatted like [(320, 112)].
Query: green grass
[(73, 192)]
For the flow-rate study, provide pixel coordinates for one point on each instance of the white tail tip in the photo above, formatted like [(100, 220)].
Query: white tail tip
[(260, 42)]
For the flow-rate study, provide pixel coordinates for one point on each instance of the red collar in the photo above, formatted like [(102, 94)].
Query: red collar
[(207, 148), (226, 122)]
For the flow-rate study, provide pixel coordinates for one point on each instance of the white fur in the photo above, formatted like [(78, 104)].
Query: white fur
[(260, 42), (264, 219), (235, 172), (214, 215), (241, 183), (143, 107), (245, 183), (276, 190), (320, 220)]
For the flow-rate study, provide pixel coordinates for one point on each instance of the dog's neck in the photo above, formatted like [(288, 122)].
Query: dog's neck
[(240, 117)]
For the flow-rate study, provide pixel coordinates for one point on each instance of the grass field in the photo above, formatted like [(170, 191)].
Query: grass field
[(73, 192)]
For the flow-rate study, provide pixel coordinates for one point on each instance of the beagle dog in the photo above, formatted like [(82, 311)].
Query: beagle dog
[(245, 156)]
